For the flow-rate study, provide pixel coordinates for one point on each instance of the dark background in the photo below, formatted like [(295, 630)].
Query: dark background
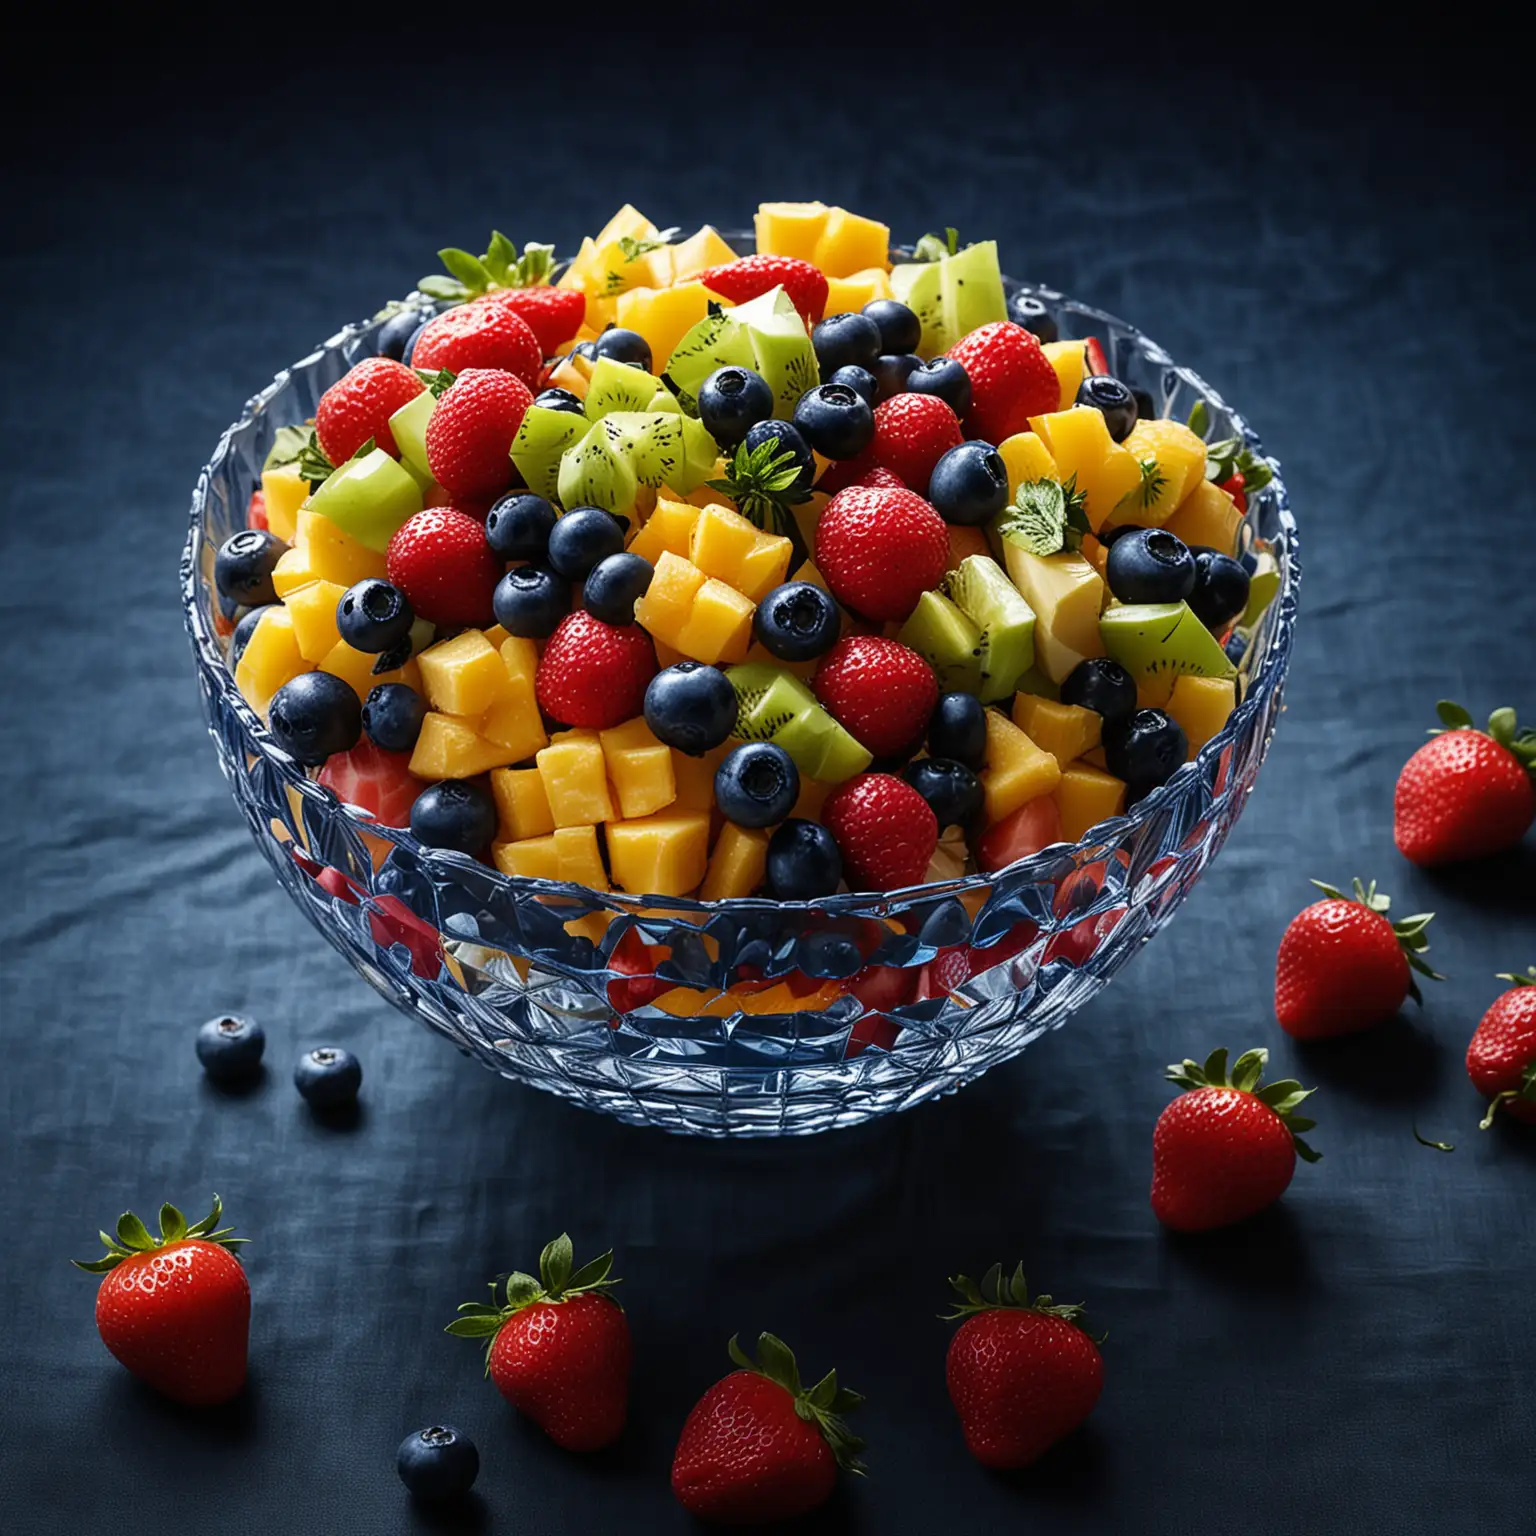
[(1331, 222)]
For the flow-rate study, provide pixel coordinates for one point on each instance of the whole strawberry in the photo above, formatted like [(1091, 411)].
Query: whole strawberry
[(175, 1309), (881, 478), (751, 276), (594, 675), (912, 433), (1501, 1060), (880, 691), (1225, 1148), (880, 549), (1345, 966), (486, 334), (759, 1446), (884, 830), (469, 437), (560, 1348), (1022, 1373), (1466, 793), (440, 560), (554, 315), (359, 405), (1011, 379)]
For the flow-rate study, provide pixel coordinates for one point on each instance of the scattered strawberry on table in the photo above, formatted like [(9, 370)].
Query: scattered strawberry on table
[(175, 1308), (1501, 1060)]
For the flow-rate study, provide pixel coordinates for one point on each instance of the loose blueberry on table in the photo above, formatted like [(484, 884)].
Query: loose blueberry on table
[(438, 1463), (230, 1048), (328, 1077)]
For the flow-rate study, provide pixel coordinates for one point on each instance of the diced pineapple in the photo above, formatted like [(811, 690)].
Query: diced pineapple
[(580, 857), (640, 768), (356, 667), (661, 855), (271, 658), (849, 242), (1066, 731), (1180, 457), (332, 555), (1201, 705), (464, 675), (700, 250), (313, 610), (668, 601), (719, 628), (521, 804), (1069, 359), (285, 490), (1208, 516), (848, 295), (721, 541), (662, 315), (450, 748), (576, 779), (1086, 796), (513, 721), (789, 229), (1027, 458), (737, 864), (1017, 770), (764, 566), (694, 778)]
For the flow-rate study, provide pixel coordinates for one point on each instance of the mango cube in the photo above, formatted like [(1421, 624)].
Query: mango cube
[(1201, 705), (669, 527), (271, 658), (462, 676), (721, 540), (662, 855), (664, 315), (1027, 458), (1017, 770), (575, 778), (580, 857), (513, 721), (356, 667), (522, 807), (790, 229), (849, 242), (1066, 731), (533, 858), (719, 627), (813, 795), (520, 656), (848, 295), (640, 768), (1070, 360), (1086, 796), (765, 565), (313, 610), (737, 864), (1208, 515), (284, 490), (333, 555), (668, 601), (704, 249), (694, 778), (451, 748), (1180, 456)]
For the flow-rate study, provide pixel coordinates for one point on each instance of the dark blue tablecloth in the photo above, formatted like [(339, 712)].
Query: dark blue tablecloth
[(1337, 239)]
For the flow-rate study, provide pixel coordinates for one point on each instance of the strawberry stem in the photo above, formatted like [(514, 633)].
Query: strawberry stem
[(134, 1238), (1503, 727), (1526, 1093), (1412, 935), (822, 1406), (997, 1292), (1283, 1097)]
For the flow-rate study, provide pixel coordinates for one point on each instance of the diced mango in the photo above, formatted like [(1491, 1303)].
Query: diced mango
[(1201, 705), (668, 600), (332, 555), (628, 221), (520, 656), (356, 667), (719, 628), (569, 374), (534, 858), (450, 748), (1066, 731), (1079, 442), (662, 855), (291, 573), (663, 315), (1017, 770), (669, 528), (1027, 458), (1208, 516), (705, 248), (813, 795), (1086, 796), (576, 779), (721, 541), (766, 564), (497, 637), (513, 721), (640, 768), (313, 609), (694, 778), (1180, 457), (464, 675), (737, 864), (285, 490), (849, 242), (848, 295), (1069, 359), (522, 807), (271, 658), (581, 859), (789, 229)]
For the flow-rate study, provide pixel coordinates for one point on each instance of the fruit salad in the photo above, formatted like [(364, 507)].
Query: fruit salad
[(684, 572)]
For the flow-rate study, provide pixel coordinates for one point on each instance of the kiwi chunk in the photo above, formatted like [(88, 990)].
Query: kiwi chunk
[(821, 748), (716, 341), (766, 698), (618, 386), (776, 706), (1160, 642), (952, 296), (948, 641), (981, 590), (593, 473), (541, 439), (408, 426), (781, 348), (919, 285)]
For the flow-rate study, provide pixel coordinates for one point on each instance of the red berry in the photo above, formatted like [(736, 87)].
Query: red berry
[(593, 675), (884, 830), (750, 276), (1233, 486), (880, 549), (1011, 379), (912, 433), (391, 922), (440, 560), (880, 691), (486, 334), (469, 437), (256, 510), (380, 782), (359, 406), (1501, 1060), (878, 477), (554, 315)]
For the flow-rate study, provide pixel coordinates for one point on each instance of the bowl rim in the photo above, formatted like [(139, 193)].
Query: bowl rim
[(218, 677)]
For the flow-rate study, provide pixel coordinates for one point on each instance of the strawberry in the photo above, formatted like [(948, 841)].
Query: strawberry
[(1466, 793), (391, 922), (554, 315), (1501, 1060), (880, 691), (380, 782), (593, 675), (175, 1309), (1035, 825), (469, 437), (949, 968), (486, 334), (1022, 1373), (633, 957), (256, 509), (359, 406), (440, 560), (1344, 966), (1226, 1147), (881, 478), (884, 830), (880, 549), (1233, 486), (1011, 379), (748, 277), (759, 1446), (560, 1348), (912, 433)]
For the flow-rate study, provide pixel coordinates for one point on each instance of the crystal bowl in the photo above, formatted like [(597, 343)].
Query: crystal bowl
[(523, 974)]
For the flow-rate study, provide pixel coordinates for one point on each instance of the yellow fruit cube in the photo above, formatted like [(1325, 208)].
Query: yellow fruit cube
[(513, 721), (695, 778), (521, 804), (1027, 458), (576, 779), (719, 629), (789, 229), (496, 636), (1066, 593), (1086, 796), (627, 221), (1201, 705), (721, 541), (534, 858), (663, 315), (669, 528), (668, 600), (569, 374), (737, 864), (1069, 359), (356, 667), (848, 295), (464, 675), (1017, 770), (765, 565), (284, 490), (662, 855), (849, 242), (450, 748), (1180, 457), (1105, 471), (519, 655), (581, 859), (700, 250), (291, 573), (1066, 731), (271, 658), (640, 768), (813, 795), (313, 610), (333, 555), (1209, 516)]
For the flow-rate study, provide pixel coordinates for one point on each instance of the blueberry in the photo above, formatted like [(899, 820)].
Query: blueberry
[(410, 347), (1118, 531), (796, 622), (438, 1463), (829, 955), (1114, 399), (243, 632), (581, 538), (458, 814), (397, 331), (1146, 750), (315, 715), (843, 341), (900, 329), (615, 585), (518, 526), (969, 485), (328, 1077), (1221, 588), (945, 378), (392, 716), (1145, 409), (1236, 647), (242, 569), (586, 350), (731, 400), (861, 381), (953, 792), (1103, 686), (790, 441), (757, 784), (1026, 310), (374, 616), (957, 729), (691, 706), (230, 1048), (835, 420), (530, 601), (803, 861), (892, 370), (1152, 566), (557, 399), (624, 347)]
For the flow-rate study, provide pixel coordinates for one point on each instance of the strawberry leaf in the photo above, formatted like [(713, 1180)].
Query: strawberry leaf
[(469, 270), (173, 1225), (1452, 716), (1281, 1097), (499, 258), (436, 286), (1199, 419)]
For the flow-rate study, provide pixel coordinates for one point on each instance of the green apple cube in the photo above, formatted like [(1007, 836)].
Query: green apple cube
[(369, 498)]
